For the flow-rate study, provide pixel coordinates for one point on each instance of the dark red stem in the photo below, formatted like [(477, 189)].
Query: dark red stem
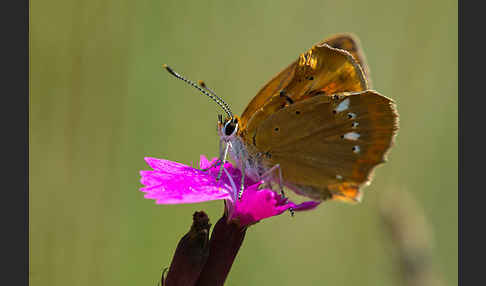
[(225, 242)]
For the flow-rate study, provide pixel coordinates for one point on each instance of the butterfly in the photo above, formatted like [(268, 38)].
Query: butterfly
[(316, 128)]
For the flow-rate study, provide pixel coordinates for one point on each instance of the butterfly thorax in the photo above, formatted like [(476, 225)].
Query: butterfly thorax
[(245, 155)]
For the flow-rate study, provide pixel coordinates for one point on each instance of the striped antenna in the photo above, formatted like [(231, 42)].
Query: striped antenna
[(205, 87), (204, 90)]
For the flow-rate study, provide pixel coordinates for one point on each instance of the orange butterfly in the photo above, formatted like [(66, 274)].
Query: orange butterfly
[(316, 128)]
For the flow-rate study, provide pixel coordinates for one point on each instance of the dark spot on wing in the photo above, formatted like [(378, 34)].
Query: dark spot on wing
[(284, 94)]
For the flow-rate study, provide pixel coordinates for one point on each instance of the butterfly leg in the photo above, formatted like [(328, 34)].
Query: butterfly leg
[(270, 174), (215, 164), (223, 161), (242, 185)]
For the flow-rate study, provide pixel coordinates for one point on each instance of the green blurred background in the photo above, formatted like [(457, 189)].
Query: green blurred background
[(100, 102)]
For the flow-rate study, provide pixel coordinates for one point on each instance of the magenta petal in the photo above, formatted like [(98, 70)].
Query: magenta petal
[(204, 162), (257, 204), (175, 183)]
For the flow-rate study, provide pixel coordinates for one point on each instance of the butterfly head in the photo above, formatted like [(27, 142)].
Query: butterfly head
[(228, 127)]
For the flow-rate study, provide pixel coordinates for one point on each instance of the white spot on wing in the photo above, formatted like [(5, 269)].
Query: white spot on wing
[(351, 136), (343, 105), (356, 149), (339, 177), (355, 124)]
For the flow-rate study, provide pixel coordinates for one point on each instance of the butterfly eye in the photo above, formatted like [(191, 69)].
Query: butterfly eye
[(230, 127)]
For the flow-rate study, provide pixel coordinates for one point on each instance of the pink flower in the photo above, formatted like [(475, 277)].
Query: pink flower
[(174, 183)]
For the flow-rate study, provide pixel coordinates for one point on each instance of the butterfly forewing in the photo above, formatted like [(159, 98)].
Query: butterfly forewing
[(269, 90), (328, 146), (321, 70), (324, 69), (351, 44)]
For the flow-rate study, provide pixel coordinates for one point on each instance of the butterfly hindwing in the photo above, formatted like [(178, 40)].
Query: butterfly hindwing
[(329, 146)]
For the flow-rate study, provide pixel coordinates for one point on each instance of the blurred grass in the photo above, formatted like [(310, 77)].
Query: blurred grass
[(100, 102)]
